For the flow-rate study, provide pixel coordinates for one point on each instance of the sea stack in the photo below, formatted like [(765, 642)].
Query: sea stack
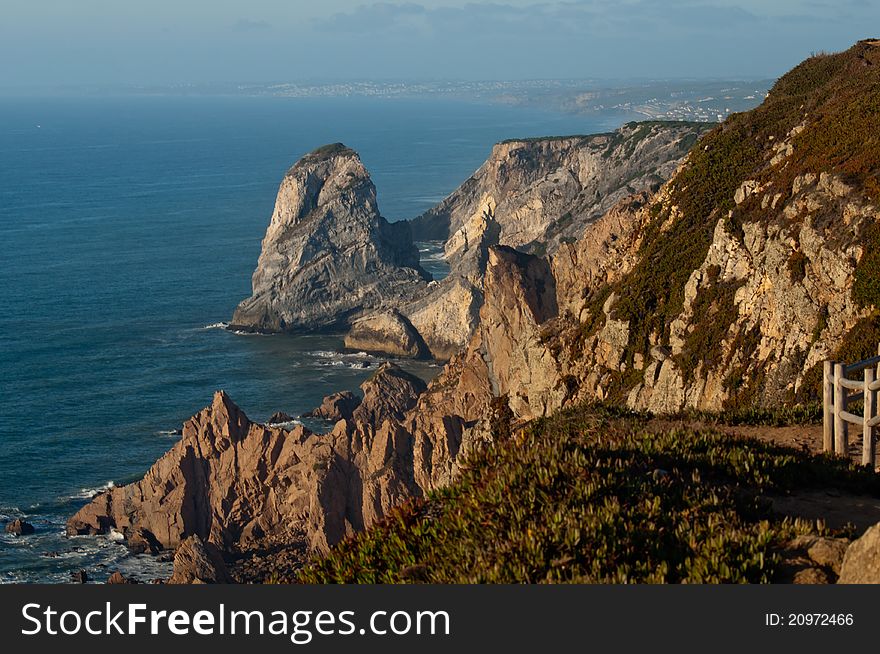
[(328, 254)]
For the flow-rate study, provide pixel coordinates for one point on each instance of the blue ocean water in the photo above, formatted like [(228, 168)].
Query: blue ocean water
[(128, 228)]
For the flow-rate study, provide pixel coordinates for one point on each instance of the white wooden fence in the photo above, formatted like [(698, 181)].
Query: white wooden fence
[(839, 390)]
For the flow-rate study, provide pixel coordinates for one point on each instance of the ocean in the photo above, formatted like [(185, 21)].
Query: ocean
[(129, 229)]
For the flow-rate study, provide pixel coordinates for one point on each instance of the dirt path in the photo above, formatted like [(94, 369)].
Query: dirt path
[(836, 508)]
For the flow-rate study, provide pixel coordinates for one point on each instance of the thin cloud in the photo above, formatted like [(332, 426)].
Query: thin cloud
[(248, 25)]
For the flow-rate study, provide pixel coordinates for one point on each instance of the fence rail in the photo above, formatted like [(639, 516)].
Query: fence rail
[(838, 392)]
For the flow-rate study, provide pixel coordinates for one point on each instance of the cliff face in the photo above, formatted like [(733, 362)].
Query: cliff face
[(533, 195), (751, 266), (328, 254), (537, 193)]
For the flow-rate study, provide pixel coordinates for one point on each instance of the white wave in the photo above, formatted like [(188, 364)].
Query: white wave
[(89, 493), (286, 423), (115, 536), (10, 513), (217, 325), (168, 433)]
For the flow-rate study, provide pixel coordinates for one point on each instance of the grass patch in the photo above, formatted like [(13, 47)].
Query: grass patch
[(866, 284), (592, 496), (714, 312)]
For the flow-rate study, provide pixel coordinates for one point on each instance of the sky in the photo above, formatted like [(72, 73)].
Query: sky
[(54, 43)]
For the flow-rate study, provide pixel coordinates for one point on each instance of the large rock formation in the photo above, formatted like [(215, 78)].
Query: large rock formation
[(756, 262), (234, 483), (237, 484), (328, 254), (534, 195), (227, 480)]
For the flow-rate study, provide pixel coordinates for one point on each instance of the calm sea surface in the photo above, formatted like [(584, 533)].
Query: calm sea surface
[(129, 228)]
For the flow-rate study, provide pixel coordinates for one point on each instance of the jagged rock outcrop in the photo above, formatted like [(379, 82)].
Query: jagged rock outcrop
[(388, 394), (335, 407), (279, 418), (227, 480), (725, 288), (535, 195), (234, 483), (328, 254), (730, 285)]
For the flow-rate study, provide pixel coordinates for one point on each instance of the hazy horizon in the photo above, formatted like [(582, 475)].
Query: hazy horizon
[(53, 44)]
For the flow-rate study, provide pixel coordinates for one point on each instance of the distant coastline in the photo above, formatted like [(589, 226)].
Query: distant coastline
[(707, 100)]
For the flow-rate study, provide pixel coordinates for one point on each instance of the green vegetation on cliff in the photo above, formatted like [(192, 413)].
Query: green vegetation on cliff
[(828, 108), (589, 496)]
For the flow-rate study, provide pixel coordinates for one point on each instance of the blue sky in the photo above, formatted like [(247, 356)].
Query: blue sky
[(71, 42)]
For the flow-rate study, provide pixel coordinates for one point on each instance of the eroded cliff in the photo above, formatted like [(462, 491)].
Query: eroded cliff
[(534, 195)]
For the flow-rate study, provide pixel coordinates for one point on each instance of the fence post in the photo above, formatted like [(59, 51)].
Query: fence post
[(841, 436), (828, 406), (870, 410)]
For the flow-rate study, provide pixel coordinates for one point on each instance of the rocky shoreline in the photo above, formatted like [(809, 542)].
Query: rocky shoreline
[(578, 274)]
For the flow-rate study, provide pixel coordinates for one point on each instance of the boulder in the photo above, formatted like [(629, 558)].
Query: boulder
[(119, 578), (19, 528), (861, 564), (336, 407), (197, 562), (142, 541), (823, 551), (388, 332)]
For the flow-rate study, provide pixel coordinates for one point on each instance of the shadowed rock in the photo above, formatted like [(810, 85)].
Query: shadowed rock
[(388, 394), (335, 407), (279, 418), (19, 528), (142, 541), (119, 578), (196, 562)]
